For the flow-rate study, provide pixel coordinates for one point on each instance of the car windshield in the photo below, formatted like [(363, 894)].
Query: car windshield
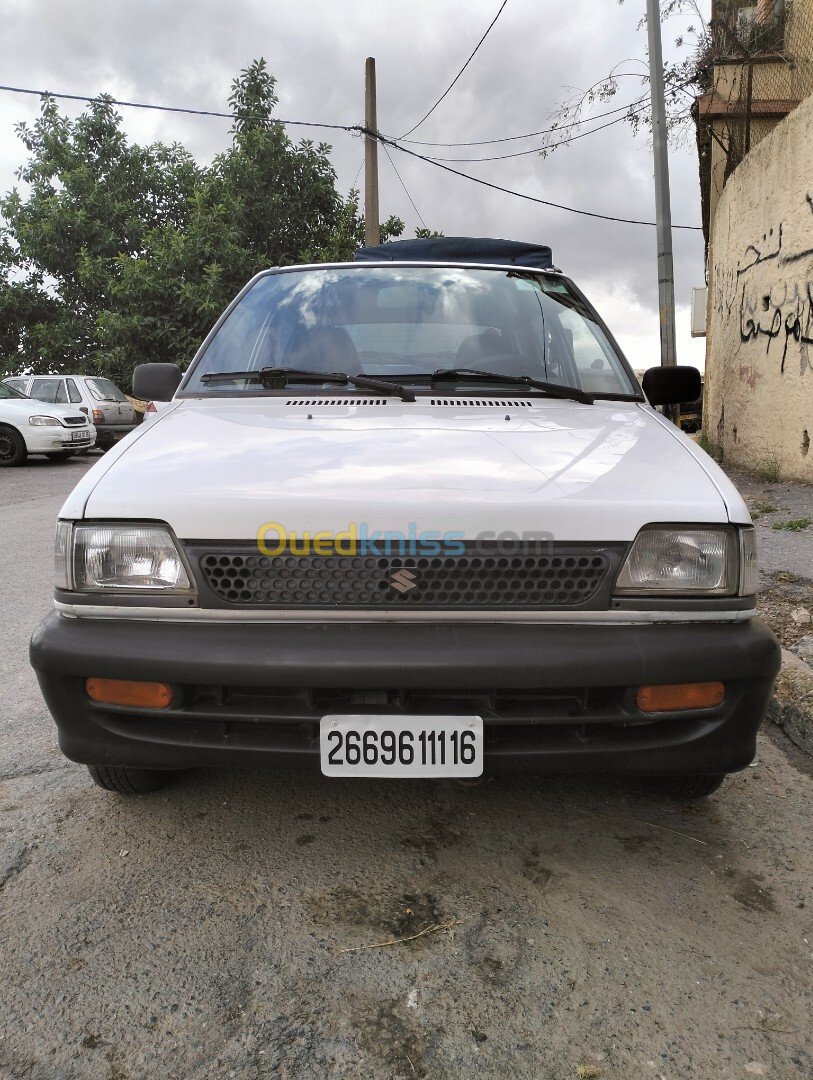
[(7, 391), (104, 390), (407, 322)]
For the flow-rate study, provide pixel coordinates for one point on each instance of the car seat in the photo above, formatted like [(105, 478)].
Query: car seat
[(324, 349)]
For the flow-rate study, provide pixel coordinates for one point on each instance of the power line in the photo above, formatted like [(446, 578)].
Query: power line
[(670, 87), (457, 76), (403, 185), (629, 111), (358, 174), (352, 128), (359, 129), (522, 195), (532, 134), (176, 109)]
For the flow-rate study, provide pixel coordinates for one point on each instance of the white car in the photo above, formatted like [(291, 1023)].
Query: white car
[(29, 427), (410, 516), (98, 398)]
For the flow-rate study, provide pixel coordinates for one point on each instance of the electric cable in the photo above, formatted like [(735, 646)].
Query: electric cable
[(177, 109), (551, 146), (457, 76), (403, 185), (520, 194), (356, 129)]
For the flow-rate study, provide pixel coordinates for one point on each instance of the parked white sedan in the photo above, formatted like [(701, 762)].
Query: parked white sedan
[(31, 427)]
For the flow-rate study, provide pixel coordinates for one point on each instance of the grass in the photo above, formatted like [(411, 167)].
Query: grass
[(796, 525), (712, 448), (767, 468), (785, 577), (760, 508)]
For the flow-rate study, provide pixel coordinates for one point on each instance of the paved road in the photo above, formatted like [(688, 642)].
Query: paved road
[(221, 928)]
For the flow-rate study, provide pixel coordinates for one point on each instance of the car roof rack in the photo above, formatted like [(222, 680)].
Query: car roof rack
[(470, 249)]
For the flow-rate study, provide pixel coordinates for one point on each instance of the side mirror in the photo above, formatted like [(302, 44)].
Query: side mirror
[(156, 382), (672, 385)]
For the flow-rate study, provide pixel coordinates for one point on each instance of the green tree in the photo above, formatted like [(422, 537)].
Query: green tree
[(121, 253), (92, 199)]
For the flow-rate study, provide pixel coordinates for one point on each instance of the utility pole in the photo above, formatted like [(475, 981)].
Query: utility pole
[(372, 232), (663, 210)]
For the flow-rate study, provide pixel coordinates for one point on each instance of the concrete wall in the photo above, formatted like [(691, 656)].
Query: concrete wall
[(759, 364)]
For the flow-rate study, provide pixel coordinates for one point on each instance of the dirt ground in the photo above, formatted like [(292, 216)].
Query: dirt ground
[(241, 925)]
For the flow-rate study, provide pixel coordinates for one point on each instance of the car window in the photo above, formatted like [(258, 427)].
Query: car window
[(104, 390), (592, 354), (51, 390), (73, 391), (9, 391), (412, 320)]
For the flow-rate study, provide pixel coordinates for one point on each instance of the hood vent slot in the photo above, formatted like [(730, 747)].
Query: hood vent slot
[(489, 402), (327, 402), (453, 403)]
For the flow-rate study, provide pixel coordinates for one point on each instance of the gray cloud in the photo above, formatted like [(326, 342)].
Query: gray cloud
[(188, 54)]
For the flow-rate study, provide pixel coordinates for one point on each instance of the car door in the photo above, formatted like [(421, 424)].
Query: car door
[(50, 388)]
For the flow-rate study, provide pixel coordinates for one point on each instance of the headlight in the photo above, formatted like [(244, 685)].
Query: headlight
[(44, 421), (134, 557), (674, 559)]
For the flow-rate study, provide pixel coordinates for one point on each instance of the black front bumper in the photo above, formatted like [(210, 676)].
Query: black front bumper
[(554, 698), (108, 435)]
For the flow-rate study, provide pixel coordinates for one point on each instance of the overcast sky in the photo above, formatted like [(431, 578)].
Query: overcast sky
[(187, 54)]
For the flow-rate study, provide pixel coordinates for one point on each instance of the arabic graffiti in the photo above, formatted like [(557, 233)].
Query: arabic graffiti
[(789, 317), (775, 301)]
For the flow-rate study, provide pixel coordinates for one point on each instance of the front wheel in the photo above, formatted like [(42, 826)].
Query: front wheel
[(129, 781), (60, 455), (686, 788), (12, 448)]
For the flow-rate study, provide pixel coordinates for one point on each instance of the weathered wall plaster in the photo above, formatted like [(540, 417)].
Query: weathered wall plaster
[(759, 367)]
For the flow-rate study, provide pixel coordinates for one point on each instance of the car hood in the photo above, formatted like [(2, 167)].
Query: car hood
[(220, 469), (20, 409)]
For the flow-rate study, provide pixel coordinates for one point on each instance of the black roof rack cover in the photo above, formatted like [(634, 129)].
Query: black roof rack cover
[(472, 249)]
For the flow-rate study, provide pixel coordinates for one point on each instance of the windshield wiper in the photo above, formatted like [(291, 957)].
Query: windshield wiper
[(572, 393), (275, 378)]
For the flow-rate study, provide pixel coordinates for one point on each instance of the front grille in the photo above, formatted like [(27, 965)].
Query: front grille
[(537, 705), (74, 421), (564, 576)]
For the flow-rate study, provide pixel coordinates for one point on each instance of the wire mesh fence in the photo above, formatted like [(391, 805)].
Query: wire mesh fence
[(762, 56)]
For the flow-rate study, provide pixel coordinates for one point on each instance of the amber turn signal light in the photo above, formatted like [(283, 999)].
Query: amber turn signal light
[(145, 695), (698, 695)]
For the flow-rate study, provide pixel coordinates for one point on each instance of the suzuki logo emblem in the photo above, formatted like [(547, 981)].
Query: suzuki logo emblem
[(403, 581)]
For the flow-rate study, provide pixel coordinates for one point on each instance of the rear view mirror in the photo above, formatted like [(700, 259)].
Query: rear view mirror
[(156, 382), (672, 385)]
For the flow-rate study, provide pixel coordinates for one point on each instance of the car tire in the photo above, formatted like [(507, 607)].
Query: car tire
[(60, 455), (129, 781), (12, 448), (686, 788)]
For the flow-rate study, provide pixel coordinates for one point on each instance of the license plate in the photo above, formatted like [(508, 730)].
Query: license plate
[(80, 436), (371, 745), (118, 435)]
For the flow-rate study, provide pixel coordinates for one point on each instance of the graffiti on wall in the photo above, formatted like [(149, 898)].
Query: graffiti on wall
[(772, 288)]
